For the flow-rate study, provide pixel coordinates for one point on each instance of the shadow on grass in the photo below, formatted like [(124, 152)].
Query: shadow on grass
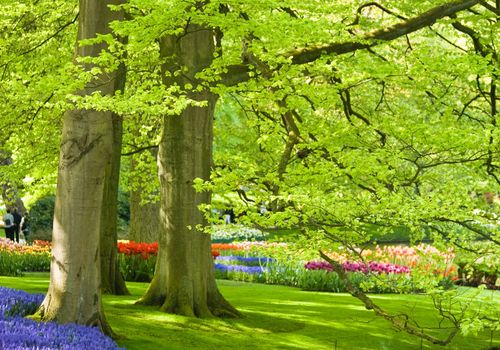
[(275, 317)]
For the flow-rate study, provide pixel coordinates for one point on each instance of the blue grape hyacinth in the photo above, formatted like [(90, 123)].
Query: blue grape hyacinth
[(18, 333)]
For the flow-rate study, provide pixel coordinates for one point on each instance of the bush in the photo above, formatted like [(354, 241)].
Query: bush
[(40, 218)]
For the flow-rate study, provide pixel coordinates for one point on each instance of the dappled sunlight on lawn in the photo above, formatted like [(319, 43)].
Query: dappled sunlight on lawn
[(274, 317)]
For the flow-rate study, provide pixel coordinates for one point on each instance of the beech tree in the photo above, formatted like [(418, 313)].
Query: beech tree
[(276, 77), (358, 116), (74, 293)]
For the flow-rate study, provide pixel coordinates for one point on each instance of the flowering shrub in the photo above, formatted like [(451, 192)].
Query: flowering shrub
[(17, 332), (230, 233)]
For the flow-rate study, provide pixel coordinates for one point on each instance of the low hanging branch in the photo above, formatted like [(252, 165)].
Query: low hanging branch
[(240, 73), (399, 321), (411, 25)]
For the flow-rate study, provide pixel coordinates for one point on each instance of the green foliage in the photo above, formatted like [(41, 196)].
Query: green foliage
[(399, 135), (35, 57), (10, 264), (16, 263), (123, 211), (480, 263), (240, 276), (136, 268), (321, 281), (42, 215)]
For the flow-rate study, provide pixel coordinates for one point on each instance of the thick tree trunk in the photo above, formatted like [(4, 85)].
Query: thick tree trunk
[(112, 281), (144, 217), (184, 281), (74, 293)]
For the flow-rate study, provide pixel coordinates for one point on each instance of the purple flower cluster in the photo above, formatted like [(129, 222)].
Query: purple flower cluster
[(240, 268), (18, 303), (250, 261), (18, 333), (372, 266)]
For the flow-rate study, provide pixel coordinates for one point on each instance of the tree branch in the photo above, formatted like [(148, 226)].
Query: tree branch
[(426, 19), (139, 150), (239, 73), (399, 321)]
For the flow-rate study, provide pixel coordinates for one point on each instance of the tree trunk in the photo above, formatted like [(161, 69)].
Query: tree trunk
[(74, 293), (184, 281), (144, 218), (112, 281)]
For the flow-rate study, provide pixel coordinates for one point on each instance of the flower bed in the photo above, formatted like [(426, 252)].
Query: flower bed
[(16, 259), (231, 233), (137, 260), (17, 332), (285, 264), (370, 267), (241, 260)]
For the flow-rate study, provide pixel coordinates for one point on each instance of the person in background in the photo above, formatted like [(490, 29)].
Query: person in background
[(25, 226), (17, 223), (8, 224)]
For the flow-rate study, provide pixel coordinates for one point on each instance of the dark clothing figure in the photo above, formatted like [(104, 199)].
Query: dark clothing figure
[(8, 221), (17, 224), (25, 226)]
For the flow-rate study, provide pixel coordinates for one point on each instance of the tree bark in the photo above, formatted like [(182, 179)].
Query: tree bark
[(112, 281), (144, 217), (184, 281), (74, 293)]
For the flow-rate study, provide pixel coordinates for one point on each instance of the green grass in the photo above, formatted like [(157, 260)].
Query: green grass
[(275, 317)]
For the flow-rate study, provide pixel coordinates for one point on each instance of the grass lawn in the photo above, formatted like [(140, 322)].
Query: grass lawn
[(275, 317)]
